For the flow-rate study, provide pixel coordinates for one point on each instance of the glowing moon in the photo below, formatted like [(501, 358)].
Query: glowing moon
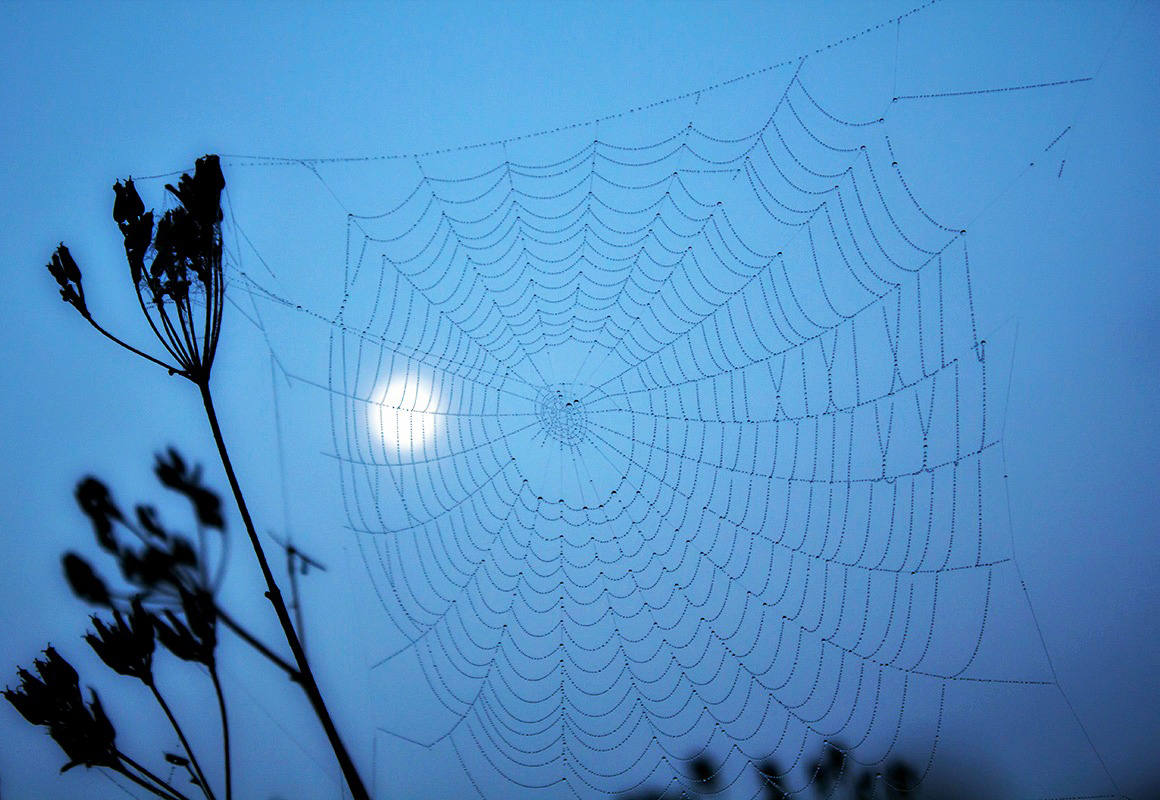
[(403, 416)]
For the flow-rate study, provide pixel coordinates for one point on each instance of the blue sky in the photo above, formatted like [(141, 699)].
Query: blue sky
[(1062, 258)]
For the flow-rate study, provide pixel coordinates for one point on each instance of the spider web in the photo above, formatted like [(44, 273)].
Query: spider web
[(667, 434)]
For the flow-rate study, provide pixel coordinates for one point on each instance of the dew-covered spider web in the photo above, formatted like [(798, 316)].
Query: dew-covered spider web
[(669, 434)]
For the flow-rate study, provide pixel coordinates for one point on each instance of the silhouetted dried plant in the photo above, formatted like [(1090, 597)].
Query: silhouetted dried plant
[(175, 265), (83, 731)]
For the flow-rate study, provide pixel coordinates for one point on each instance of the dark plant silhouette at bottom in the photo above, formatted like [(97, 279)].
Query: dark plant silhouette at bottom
[(830, 775), (167, 597)]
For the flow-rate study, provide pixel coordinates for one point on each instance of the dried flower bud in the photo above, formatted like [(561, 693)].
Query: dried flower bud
[(154, 567), (828, 767), (95, 500), (704, 772), (771, 775), (172, 471), (201, 193), (147, 519), (864, 788), (85, 583), (95, 745), (176, 244), (136, 226), (128, 206), (68, 275), (900, 779)]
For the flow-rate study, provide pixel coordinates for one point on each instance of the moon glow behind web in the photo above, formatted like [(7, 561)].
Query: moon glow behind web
[(403, 415)]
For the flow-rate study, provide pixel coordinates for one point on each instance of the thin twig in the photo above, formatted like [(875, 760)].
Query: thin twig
[(291, 554), (184, 742), (165, 789), (253, 642), (172, 369), (217, 687)]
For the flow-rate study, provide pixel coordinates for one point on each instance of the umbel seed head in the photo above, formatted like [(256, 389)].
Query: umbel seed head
[(175, 263)]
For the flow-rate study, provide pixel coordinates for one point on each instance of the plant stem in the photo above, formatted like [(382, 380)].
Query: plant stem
[(147, 787), (221, 698), (184, 742), (172, 370), (253, 642), (306, 681), (165, 791)]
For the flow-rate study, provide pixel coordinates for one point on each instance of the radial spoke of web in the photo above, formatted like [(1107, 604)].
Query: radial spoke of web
[(620, 293), (724, 306), (776, 107), (527, 355), (408, 352), (793, 347)]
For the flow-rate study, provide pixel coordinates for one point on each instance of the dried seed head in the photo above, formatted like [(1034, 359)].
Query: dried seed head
[(186, 267), (54, 701), (175, 263), (201, 193), (126, 646)]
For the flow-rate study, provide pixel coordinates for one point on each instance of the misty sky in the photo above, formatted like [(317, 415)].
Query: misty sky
[(1055, 187)]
